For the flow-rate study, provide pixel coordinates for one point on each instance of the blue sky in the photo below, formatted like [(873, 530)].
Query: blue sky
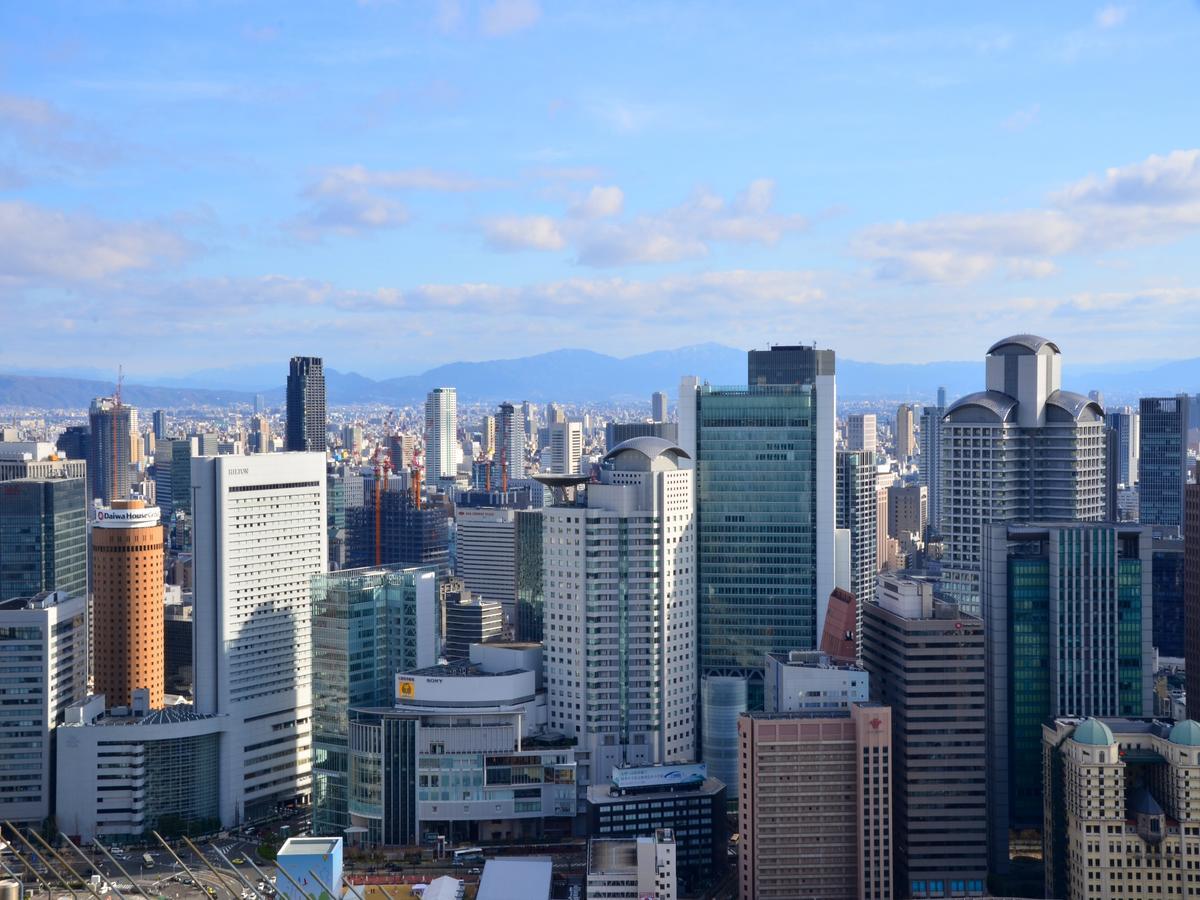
[(393, 185)]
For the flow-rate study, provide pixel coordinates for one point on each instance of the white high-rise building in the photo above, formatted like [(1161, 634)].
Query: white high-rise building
[(1022, 450), (259, 537), (566, 447), (486, 560), (441, 433), (620, 611), (861, 432)]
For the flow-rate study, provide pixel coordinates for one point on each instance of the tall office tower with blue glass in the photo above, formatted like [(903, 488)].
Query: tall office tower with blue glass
[(765, 486), (1162, 461)]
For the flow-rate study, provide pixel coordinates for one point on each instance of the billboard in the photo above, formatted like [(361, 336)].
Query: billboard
[(127, 518), (406, 688), (671, 775)]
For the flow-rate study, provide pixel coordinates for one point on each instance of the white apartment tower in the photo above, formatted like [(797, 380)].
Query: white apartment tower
[(1022, 450), (566, 447), (259, 538), (441, 433), (620, 611), (861, 433)]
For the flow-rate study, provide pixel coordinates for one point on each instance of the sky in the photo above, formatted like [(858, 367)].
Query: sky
[(395, 185)]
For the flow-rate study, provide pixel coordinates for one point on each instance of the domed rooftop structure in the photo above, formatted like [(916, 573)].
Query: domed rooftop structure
[(1094, 733), (1018, 343), (648, 446), (1185, 733)]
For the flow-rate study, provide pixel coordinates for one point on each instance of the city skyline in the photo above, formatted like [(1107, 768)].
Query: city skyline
[(434, 181)]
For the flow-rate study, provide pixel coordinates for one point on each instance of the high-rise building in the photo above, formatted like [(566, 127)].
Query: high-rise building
[(857, 505), (305, 405), (1068, 620), (1022, 450), (566, 447), (468, 620), (1122, 802), (1169, 563), (620, 602), (1162, 461), (43, 537), (260, 434), (810, 682), (111, 449), (638, 868), (815, 805), (410, 534), (352, 439), (204, 443), (486, 554), (1126, 421), (926, 663), (260, 537), (76, 443), (658, 406), (178, 660), (788, 364), (43, 670), (508, 461), (367, 625), (160, 424), (861, 432), (441, 432), (906, 434), (127, 586), (908, 510), (487, 430), (38, 459), (929, 467), (1191, 596)]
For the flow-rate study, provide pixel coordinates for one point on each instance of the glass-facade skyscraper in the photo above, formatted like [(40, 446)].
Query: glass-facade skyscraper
[(43, 537), (306, 404), (1162, 461), (110, 450)]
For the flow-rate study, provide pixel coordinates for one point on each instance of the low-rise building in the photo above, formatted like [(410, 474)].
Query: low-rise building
[(640, 868), (808, 680)]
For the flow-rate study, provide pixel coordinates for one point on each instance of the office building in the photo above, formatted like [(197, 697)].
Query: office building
[(1168, 567), (487, 431), (305, 405), (857, 509), (486, 554), (43, 537), (929, 466), (410, 533), (861, 432), (308, 861), (723, 698), (75, 443), (38, 459), (1122, 808), (159, 422), (467, 620), (639, 800), (906, 432), (178, 634), (126, 772), (815, 806), (566, 447), (765, 488), (1021, 450), (638, 868), (259, 539), (839, 640), (127, 597), (368, 624), (658, 406), (1162, 461), (620, 602), (464, 754), (173, 477), (529, 574), (204, 443), (43, 670), (926, 662), (1068, 624), (1191, 596), (441, 433), (1126, 421), (110, 449), (907, 510), (508, 460), (260, 435), (809, 681), (620, 432), (352, 439), (402, 450)]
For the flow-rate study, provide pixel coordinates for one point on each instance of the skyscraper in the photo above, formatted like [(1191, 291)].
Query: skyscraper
[(306, 404), (127, 557), (468, 620), (927, 664), (486, 554), (620, 590), (260, 434), (566, 447), (441, 432), (508, 462), (530, 594), (1191, 596), (409, 534), (856, 512), (1126, 421), (929, 467), (1068, 624), (111, 449), (788, 364), (43, 670), (658, 406), (160, 424), (1162, 461), (906, 436), (43, 537), (1022, 450), (861, 432), (260, 537)]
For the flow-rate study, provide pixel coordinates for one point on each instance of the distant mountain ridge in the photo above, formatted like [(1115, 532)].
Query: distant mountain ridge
[(574, 375)]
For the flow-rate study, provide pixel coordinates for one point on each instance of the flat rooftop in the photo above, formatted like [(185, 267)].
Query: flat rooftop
[(304, 846), (612, 856), (606, 793), (460, 668), (526, 878)]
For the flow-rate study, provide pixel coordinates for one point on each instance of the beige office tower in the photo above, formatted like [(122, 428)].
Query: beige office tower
[(127, 577), (906, 433), (861, 432), (1122, 808), (815, 805)]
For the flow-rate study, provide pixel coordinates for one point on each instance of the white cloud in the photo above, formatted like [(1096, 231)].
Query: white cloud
[(1022, 119), (504, 17), (523, 233), (601, 202), (48, 133), (1111, 16)]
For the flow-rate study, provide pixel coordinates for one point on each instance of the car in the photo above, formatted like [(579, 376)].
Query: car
[(238, 861)]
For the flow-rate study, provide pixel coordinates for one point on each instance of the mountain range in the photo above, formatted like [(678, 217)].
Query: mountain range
[(572, 376)]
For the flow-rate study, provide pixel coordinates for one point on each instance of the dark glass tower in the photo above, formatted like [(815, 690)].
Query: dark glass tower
[(306, 404), (1162, 461), (109, 450), (43, 537), (788, 365)]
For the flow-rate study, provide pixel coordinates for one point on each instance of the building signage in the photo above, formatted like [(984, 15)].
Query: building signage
[(659, 776), (127, 518), (406, 688)]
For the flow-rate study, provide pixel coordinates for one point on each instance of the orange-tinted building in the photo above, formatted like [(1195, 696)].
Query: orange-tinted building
[(127, 567), (839, 638)]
